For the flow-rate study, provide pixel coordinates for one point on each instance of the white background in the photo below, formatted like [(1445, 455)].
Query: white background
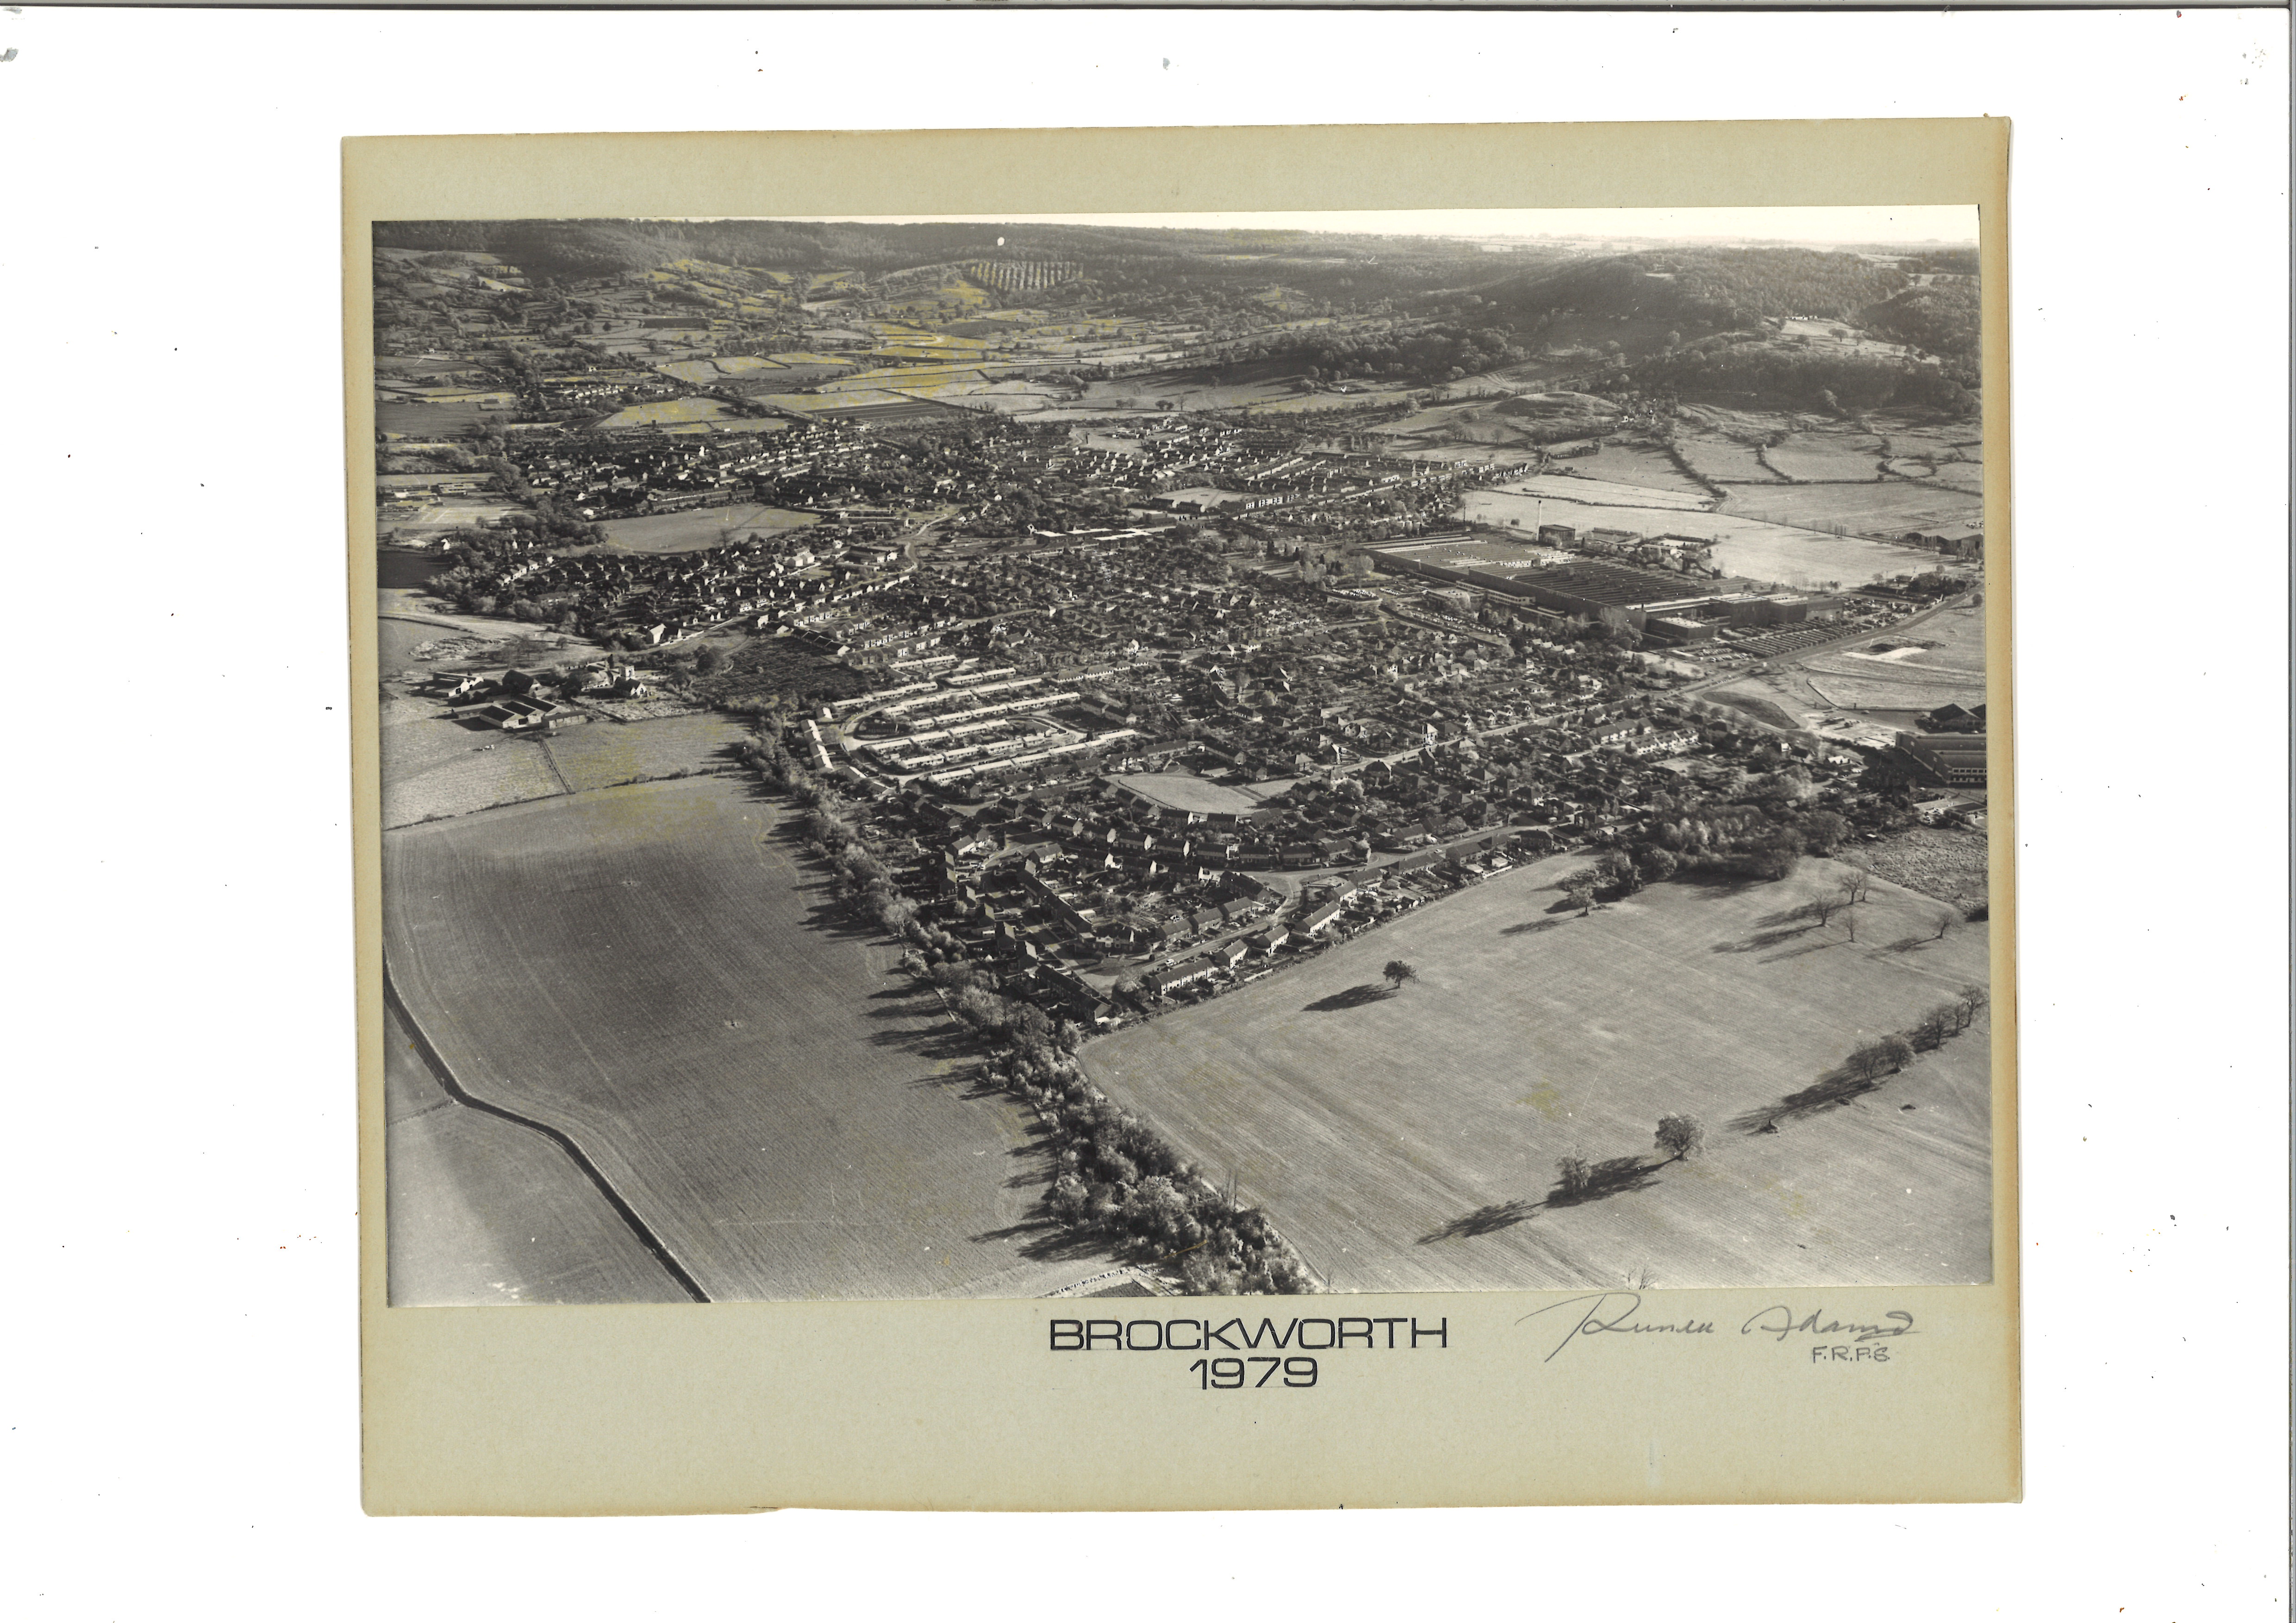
[(181, 1424)]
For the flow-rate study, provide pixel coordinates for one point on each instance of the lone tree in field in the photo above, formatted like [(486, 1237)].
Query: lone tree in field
[(1680, 1137), (1573, 1173), (1398, 971), (1857, 882), (1946, 921)]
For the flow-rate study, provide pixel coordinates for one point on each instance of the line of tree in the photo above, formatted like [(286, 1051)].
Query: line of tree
[(1118, 1179)]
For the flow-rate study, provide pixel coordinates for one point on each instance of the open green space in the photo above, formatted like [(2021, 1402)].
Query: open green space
[(660, 973), (699, 527), (1408, 1141), (484, 1211)]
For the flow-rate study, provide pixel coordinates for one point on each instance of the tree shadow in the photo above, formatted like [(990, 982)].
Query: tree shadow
[(1911, 944), (1837, 1087), (915, 1010), (1047, 1239), (1483, 1220), (1354, 997), (1715, 886), (1806, 949), (1533, 926), (1622, 1174), (935, 1043), (1762, 940)]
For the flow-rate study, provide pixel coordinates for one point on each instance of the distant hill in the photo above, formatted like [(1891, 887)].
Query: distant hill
[(1710, 288), (1766, 373), (560, 250), (1941, 317)]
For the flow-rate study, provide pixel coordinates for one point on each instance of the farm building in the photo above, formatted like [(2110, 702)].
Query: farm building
[(1954, 757), (518, 714)]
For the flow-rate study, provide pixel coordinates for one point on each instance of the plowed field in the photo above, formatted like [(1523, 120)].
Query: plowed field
[(658, 973)]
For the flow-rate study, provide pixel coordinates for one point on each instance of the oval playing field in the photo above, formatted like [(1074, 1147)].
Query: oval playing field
[(1408, 1141)]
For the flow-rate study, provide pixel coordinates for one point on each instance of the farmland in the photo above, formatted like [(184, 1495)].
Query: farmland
[(484, 1210), (1724, 460), (434, 767), (659, 973), (1748, 548), (1408, 1141), (1875, 507), (1805, 456), (1681, 497), (693, 409)]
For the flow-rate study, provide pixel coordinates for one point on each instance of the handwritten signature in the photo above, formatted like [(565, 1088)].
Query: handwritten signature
[(1780, 1322), (1615, 1312), (1612, 1313)]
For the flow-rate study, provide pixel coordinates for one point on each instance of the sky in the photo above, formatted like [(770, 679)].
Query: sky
[(1947, 224)]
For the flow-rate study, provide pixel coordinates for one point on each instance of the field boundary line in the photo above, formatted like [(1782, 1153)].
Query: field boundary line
[(550, 759), (436, 1061)]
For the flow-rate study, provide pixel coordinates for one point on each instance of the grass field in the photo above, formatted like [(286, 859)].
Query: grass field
[(1949, 669), (483, 1211), (1827, 456), (1745, 548), (1682, 496), (434, 767), (657, 972), (699, 408), (696, 527), (1408, 1141), (1634, 465), (1888, 507), (1725, 459), (605, 753)]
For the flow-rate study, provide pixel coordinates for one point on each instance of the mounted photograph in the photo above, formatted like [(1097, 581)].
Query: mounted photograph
[(1147, 756)]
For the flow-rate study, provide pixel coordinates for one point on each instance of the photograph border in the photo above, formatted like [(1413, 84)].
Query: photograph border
[(965, 1404)]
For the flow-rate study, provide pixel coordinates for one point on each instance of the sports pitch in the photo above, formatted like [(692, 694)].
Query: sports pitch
[(1409, 1141)]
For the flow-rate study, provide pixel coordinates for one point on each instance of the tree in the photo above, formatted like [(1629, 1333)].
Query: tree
[(1573, 1173), (1680, 1137), (1398, 971), (1968, 1004), (1896, 1053), (1946, 921), (1935, 1026), (1580, 893), (707, 660), (1857, 882)]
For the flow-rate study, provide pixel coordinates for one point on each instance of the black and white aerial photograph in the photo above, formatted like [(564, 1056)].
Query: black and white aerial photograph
[(1141, 755)]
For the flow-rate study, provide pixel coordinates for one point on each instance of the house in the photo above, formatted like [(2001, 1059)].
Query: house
[(1266, 941), (1230, 955), (1318, 919), (1164, 982)]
